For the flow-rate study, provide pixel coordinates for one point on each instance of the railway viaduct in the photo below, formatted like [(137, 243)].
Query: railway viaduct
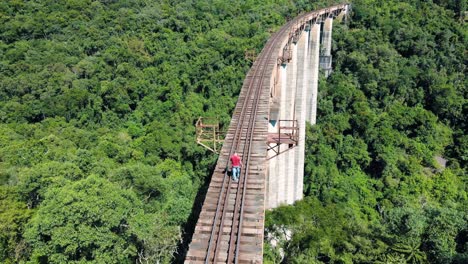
[(278, 96)]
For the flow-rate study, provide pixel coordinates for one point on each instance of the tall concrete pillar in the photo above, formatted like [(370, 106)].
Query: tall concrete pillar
[(289, 114), (314, 44), (286, 171), (273, 176), (343, 14), (280, 162), (303, 75), (276, 178), (326, 58), (294, 97)]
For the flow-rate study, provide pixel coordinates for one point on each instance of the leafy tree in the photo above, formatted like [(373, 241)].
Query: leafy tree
[(13, 216), (392, 105), (88, 220)]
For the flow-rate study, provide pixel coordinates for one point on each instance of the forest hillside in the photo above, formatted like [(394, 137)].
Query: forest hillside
[(385, 173), (98, 100)]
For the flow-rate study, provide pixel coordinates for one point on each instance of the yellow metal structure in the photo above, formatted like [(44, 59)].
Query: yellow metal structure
[(208, 134)]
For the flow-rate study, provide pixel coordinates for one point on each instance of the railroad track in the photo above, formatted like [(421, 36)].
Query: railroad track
[(230, 225), (233, 210)]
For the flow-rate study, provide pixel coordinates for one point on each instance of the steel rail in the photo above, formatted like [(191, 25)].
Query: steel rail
[(251, 131), (243, 178), (221, 192), (260, 67), (249, 149), (228, 190), (235, 142), (240, 197), (249, 140)]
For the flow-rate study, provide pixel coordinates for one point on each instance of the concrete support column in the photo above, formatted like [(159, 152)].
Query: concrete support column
[(273, 176), (286, 171), (294, 97), (289, 105), (326, 58), (281, 163), (342, 15), (314, 44), (303, 75), (276, 178)]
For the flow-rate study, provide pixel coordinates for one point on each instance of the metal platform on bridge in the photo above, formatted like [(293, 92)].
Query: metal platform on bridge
[(230, 226)]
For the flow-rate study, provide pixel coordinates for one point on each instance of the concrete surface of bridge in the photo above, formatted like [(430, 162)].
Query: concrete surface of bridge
[(267, 129)]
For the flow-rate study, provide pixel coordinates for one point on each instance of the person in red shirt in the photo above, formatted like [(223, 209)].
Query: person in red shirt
[(236, 164)]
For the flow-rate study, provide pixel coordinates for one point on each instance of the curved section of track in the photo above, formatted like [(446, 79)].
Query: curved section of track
[(230, 226)]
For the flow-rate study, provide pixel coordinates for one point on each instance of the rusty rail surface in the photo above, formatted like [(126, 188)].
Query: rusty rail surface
[(230, 225)]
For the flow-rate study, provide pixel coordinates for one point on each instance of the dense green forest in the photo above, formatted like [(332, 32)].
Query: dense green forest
[(98, 161), (98, 100), (396, 101)]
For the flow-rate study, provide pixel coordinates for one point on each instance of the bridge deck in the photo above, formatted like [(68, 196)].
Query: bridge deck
[(232, 206), (252, 228)]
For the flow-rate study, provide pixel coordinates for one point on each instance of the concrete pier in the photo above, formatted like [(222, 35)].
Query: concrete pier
[(282, 183), (303, 76), (294, 97), (281, 85), (314, 44), (325, 56), (290, 106)]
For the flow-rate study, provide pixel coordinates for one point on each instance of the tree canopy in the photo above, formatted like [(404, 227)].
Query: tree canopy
[(98, 101), (394, 104)]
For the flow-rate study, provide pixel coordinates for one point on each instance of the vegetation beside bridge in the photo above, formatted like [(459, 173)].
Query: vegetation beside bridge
[(98, 160), (395, 102)]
